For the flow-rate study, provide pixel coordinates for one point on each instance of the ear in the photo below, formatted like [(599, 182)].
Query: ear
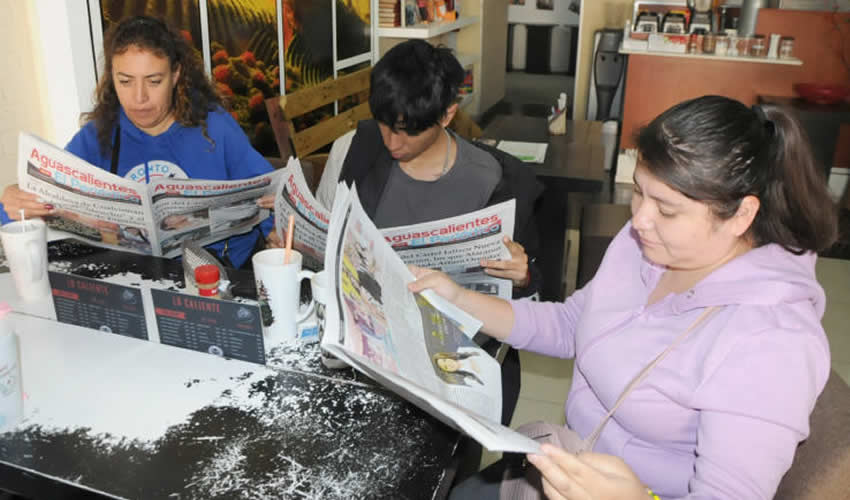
[(743, 218), (449, 116)]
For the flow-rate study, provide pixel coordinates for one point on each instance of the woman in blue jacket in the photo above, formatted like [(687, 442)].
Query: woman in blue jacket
[(158, 115)]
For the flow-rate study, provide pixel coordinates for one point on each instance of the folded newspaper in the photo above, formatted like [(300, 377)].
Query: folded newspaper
[(417, 345), (110, 211), (455, 245)]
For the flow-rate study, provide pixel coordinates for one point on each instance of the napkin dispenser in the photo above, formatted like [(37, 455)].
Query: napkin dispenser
[(558, 123)]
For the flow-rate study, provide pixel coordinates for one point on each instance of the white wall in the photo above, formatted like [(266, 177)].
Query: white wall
[(494, 46), (62, 40), (530, 14), (21, 96), (595, 14), (50, 73)]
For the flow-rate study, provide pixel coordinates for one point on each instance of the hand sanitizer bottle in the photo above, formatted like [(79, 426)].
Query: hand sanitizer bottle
[(11, 395)]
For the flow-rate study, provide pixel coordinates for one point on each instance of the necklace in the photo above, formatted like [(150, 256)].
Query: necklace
[(448, 152)]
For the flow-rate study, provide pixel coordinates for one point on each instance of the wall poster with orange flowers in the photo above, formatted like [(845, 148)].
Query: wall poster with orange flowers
[(244, 48), (308, 42)]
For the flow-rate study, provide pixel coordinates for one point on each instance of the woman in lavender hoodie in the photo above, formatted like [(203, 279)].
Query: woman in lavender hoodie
[(728, 211)]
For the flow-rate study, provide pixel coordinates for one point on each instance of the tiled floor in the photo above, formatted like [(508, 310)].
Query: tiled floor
[(546, 381)]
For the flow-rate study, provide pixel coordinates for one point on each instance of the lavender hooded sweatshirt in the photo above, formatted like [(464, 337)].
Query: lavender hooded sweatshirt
[(721, 416)]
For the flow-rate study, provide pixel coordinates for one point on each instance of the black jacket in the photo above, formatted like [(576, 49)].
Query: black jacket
[(368, 164)]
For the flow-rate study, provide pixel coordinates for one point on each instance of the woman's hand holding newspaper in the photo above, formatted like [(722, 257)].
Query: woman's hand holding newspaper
[(273, 240), (587, 475), (496, 314), (266, 201), (435, 280), (16, 201)]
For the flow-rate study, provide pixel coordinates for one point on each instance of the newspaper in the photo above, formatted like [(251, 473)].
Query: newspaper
[(311, 217), (457, 245), (109, 211), (418, 345)]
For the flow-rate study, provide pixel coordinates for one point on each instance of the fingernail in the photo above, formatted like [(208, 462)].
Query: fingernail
[(48, 206)]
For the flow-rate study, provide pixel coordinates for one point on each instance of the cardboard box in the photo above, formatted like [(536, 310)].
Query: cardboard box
[(633, 43), (667, 42)]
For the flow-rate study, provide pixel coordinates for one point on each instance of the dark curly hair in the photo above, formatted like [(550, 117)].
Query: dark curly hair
[(194, 95)]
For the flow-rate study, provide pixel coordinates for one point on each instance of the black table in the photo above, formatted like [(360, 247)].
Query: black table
[(221, 428), (574, 163)]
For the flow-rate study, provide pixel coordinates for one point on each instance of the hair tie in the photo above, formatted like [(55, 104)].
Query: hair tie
[(762, 118)]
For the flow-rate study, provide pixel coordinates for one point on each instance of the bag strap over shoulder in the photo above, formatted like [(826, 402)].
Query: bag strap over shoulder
[(590, 441)]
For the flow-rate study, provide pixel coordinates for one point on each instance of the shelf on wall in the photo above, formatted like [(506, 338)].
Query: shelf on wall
[(429, 30), (743, 59), (465, 100), (467, 60)]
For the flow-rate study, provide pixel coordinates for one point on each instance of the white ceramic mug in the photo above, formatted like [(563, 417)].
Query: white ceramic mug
[(278, 292), (25, 246), (322, 295), (319, 286)]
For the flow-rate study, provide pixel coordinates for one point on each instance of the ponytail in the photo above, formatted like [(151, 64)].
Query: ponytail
[(796, 211)]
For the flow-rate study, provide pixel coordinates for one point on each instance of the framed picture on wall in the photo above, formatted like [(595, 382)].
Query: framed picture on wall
[(546, 4)]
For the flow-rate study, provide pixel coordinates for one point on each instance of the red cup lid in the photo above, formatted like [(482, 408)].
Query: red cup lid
[(206, 274)]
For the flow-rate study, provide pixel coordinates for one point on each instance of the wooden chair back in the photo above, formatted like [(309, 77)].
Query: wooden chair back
[(465, 126), (284, 109)]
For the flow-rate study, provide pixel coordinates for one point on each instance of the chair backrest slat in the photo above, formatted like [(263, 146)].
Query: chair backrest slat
[(284, 109), (325, 132), (306, 100)]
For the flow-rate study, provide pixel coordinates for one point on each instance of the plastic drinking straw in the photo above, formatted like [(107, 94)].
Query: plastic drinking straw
[(289, 231), (23, 222)]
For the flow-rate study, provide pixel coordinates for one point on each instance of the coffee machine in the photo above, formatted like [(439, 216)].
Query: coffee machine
[(606, 76), (701, 16)]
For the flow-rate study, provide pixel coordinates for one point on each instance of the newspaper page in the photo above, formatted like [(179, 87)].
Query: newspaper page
[(89, 203), (457, 245), (416, 344), (207, 211), (110, 211), (311, 217)]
